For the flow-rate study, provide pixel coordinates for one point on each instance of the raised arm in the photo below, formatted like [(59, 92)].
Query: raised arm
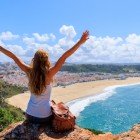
[(17, 60), (68, 53)]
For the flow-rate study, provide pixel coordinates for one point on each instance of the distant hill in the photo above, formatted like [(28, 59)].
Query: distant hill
[(106, 68), (77, 68)]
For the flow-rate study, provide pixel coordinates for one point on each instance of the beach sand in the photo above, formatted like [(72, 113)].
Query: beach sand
[(72, 92)]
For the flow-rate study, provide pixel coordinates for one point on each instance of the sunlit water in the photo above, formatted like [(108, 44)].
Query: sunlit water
[(116, 110)]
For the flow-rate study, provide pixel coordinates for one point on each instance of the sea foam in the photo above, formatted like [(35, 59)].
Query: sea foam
[(78, 105)]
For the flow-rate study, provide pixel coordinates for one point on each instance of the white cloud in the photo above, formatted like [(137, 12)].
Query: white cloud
[(8, 36), (96, 49), (66, 43), (16, 49), (28, 40), (109, 49), (133, 39), (52, 36), (41, 38), (44, 37), (1, 43), (68, 31)]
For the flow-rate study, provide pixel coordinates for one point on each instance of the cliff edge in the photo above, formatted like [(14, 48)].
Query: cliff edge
[(23, 131)]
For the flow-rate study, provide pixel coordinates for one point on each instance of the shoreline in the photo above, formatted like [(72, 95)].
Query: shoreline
[(73, 92), (106, 89), (79, 104)]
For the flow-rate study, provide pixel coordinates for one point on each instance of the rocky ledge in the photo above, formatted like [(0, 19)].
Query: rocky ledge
[(23, 131)]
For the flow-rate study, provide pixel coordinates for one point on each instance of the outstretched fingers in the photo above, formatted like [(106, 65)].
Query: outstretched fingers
[(85, 35), (86, 32)]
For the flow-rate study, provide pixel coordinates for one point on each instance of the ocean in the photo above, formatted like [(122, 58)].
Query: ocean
[(115, 110)]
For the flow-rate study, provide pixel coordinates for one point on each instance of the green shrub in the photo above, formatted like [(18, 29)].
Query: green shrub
[(8, 113)]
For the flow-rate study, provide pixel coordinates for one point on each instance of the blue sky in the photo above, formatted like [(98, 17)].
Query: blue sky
[(103, 18)]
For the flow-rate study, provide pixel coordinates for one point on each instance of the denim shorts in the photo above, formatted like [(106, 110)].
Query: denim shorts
[(36, 120)]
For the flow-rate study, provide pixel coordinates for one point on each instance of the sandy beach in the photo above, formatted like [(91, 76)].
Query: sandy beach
[(72, 92)]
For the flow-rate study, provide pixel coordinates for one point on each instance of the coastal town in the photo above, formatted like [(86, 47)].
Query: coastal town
[(10, 73)]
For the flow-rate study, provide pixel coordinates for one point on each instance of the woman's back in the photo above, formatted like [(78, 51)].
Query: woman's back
[(39, 105)]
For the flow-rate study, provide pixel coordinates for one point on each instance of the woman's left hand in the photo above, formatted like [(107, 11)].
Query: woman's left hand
[(85, 37)]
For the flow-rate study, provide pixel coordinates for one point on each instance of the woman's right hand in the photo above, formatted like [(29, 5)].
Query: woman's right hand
[(85, 37)]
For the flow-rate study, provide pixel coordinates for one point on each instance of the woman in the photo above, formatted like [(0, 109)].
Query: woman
[(40, 75)]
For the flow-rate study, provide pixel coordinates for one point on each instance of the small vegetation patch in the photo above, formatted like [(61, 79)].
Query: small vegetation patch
[(8, 113)]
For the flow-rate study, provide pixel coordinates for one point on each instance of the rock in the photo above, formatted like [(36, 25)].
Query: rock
[(133, 134), (23, 131)]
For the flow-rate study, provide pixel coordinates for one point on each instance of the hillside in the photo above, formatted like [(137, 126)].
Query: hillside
[(104, 68), (8, 113)]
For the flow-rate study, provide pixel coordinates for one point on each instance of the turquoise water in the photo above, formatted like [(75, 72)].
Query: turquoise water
[(117, 113)]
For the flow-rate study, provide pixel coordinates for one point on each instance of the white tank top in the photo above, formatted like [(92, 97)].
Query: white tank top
[(39, 105)]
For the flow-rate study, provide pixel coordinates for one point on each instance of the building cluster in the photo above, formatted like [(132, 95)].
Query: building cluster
[(13, 75)]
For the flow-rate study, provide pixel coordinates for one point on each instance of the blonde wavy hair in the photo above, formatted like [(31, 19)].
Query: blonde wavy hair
[(39, 68)]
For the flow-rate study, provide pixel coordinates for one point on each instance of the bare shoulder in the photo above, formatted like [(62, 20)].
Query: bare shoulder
[(49, 73)]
